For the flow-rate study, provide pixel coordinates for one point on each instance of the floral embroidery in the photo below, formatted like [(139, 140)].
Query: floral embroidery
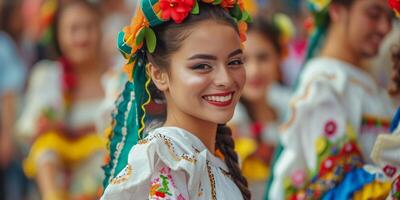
[(330, 128), (335, 160), (123, 176), (372, 124), (163, 186), (389, 170)]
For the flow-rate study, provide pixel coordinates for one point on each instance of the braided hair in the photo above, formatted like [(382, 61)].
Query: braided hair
[(395, 85), (225, 143), (169, 39)]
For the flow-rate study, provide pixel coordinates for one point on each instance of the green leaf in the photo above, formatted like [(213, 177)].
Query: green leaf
[(151, 40), (196, 8), (249, 20), (236, 12), (217, 2), (245, 16), (140, 36)]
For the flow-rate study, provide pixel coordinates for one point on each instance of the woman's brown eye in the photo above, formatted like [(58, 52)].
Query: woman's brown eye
[(201, 67), (236, 62)]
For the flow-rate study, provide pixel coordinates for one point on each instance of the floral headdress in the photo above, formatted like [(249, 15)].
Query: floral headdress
[(129, 117)]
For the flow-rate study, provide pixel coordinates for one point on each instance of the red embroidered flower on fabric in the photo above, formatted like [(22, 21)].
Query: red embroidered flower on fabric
[(327, 165), (178, 10), (299, 178), (389, 170), (330, 128), (349, 148)]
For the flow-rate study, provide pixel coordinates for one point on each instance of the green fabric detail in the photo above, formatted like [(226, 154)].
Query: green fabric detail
[(148, 11), (276, 156), (122, 108), (122, 46), (128, 119)]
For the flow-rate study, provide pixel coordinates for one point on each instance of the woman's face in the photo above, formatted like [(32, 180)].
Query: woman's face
[(79, 34), (262, 66), (206, 75), (366, 23)]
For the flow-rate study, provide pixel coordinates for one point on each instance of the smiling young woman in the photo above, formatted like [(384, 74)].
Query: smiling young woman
[(196, 67)]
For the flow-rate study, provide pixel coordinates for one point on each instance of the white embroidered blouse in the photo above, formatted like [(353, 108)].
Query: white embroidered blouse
[(171, 163), (333, 98)]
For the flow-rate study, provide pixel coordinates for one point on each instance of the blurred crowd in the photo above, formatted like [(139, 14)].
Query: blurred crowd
[(60, 72)]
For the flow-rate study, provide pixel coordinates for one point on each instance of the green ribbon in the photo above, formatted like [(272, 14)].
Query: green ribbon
[(149, 13)]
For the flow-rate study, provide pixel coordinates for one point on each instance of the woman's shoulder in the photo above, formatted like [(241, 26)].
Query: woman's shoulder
[(179, 143), (167, 148)]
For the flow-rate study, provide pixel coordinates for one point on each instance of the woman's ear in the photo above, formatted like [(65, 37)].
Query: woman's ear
[(159, 77)]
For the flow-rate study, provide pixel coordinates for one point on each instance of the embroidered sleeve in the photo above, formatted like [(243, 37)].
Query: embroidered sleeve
[(317, 121), (167, 185)]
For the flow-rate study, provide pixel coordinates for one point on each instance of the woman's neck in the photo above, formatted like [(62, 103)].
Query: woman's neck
[(337, 47), (204, 130)]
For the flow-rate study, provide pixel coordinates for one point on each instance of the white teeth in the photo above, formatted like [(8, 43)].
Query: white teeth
[(219, 98)]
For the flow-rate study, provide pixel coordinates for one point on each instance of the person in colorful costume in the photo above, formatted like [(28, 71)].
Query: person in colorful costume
[(188, 54), (338, 109), (386, 151), (263, 103), (59, 117)]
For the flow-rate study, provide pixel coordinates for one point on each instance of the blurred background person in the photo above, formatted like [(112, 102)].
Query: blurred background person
[(16, 57), (263, 103), (338, 109), (61, 108)]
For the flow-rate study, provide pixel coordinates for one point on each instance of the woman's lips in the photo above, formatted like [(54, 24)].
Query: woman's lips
[(220, 99)]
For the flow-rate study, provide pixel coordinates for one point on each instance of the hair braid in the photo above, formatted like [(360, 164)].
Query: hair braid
[(225, 143), (395, 85)]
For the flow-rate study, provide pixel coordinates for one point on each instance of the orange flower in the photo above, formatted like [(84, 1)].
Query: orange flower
[(241, 4), (242, 30), (131, 31)]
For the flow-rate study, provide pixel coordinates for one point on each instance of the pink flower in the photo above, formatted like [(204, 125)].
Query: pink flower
[(178, 10)]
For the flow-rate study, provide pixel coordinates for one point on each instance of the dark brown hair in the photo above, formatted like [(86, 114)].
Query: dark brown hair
[(268, 30), (7, 10), (395, 85), (169, 39)]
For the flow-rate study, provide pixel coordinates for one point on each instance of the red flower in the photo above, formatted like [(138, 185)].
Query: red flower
[(160, 194), (395, 4), (178, 10), (227, 4)]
